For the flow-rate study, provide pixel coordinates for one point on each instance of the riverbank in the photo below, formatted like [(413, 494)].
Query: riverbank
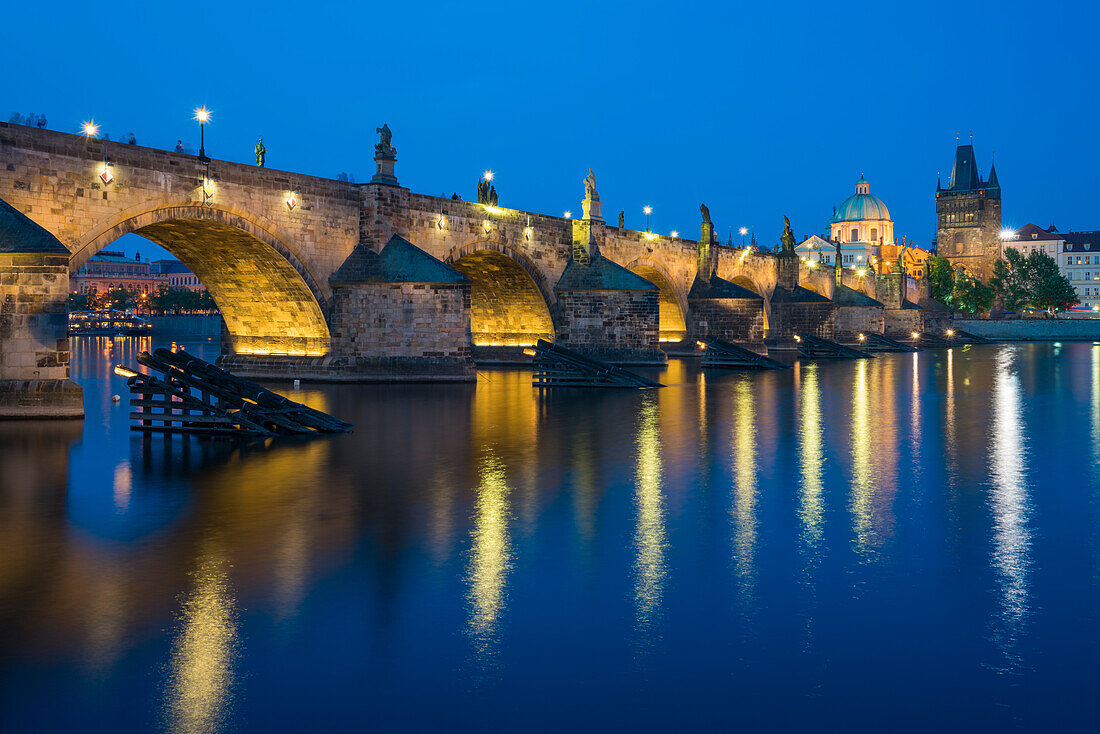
[(1033, 329)]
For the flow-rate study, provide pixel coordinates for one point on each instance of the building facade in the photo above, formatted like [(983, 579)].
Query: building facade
[(110, 270), (1032, 238), (1079, 261), (968, 216), (177, 274)]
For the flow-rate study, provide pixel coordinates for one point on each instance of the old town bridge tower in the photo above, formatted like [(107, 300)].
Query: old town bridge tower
[(968, 214)]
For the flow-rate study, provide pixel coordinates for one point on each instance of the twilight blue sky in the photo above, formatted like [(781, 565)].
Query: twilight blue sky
[(759, 109)]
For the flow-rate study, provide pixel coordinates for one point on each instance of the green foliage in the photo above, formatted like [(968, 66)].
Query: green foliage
[(1012, 280), (1049, 288), (971, 295), (165, 300), (942, 278)]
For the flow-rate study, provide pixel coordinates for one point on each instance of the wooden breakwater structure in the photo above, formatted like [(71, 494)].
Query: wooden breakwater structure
[(557, 366), (191, 396)]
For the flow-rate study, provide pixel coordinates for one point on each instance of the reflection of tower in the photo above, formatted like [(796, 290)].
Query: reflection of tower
[(649, 535), (1010, 507)]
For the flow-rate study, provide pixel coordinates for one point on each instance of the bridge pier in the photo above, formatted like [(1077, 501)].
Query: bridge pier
[(34, 323), (796, 310), (602, 309)]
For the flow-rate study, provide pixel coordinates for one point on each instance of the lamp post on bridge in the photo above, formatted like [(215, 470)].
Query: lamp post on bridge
[(744, 231), (648, 210), (202, 115)]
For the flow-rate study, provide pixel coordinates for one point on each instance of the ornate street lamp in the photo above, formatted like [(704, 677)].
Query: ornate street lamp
[(648, 210), (744, 231), (203, 116)]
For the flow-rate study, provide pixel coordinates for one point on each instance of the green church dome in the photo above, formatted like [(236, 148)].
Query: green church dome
[(861, 205)]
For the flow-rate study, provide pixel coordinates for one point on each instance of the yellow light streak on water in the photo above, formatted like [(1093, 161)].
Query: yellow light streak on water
[(490, 557), (201, 673), (1010, 505), (649, 536)]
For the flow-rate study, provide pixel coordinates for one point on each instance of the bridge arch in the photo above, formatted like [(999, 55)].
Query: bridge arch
[(510, 300), (673, 306), (269, 298)]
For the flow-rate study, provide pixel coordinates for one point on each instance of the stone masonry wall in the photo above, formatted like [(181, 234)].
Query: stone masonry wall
[(850, 321), (610, 325), (903, 321), (732, 319), (801, 318), (401, 320), (34, 323)]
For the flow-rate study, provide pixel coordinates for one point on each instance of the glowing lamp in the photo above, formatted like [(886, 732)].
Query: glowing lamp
[(916, 335), (797, 338), (701, 345), (105, 175), (529, 352), (647, 209), (744, 231), (568, 215), (202, 115), (862, 337), (951, 332), (124, 372), (488, 175), (442, 222), (1008, 234), (208, 188), (291, 201), (90, 128)]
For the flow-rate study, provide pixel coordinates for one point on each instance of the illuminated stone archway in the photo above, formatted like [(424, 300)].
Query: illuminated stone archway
[(509, 301), (672, 324), (270, 302)]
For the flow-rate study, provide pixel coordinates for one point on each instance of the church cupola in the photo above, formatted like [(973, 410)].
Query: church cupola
[(862, 187)]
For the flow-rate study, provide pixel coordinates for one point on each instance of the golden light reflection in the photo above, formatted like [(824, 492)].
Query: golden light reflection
[(650, 540), (122, 485), (744, 484), (1010, 506), (205, 648), (490, 556), (811, 456), (862, 488)]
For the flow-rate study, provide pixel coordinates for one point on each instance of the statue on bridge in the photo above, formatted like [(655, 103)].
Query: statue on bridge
[(261, 152), (622, 219), (787, 238), (590, 192), (706, 214), (384, 148)]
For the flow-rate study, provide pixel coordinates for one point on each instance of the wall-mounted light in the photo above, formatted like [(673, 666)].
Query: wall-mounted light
[(487, 226), (442, 222), (105, 175), (527, 232), (292, 199)]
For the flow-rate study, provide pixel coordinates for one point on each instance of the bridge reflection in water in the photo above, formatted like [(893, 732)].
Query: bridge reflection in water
[(492, 540)]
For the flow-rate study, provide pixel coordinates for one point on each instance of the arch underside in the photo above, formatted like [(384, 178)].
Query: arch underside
[(672, 326), (267, 306), (507, 309)]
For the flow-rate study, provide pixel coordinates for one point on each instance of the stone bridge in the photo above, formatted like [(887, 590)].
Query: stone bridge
[(311, 284)]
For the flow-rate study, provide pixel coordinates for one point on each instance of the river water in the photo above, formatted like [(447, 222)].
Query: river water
[(899, 544)]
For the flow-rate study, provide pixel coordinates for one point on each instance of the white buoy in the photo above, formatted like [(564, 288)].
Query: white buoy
[(116, 398)]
